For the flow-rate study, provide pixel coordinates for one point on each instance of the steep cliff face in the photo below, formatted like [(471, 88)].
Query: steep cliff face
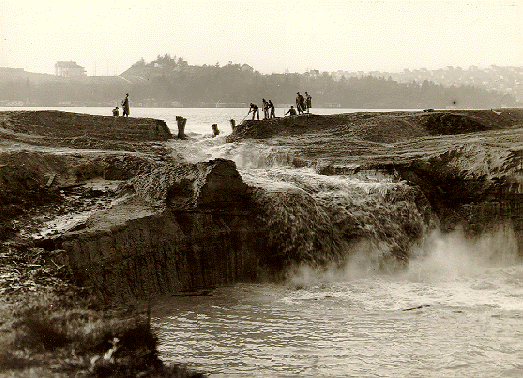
[(182, 228), (475, 187)]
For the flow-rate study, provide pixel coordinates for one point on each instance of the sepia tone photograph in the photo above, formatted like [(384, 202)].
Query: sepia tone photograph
[(214, 189)]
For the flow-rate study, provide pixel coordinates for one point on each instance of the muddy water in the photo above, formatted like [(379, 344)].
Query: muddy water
[(420, 323), (457, 311)]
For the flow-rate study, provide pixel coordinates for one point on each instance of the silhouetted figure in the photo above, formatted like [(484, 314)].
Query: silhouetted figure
[(215, 130), (300, 103), (308, 101), (265, 107), (254, 110), (233, 124), (116, 112), (291, 111), (271, 109), (125, 106)]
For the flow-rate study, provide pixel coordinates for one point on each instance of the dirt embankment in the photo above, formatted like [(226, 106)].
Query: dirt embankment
[(59, 124), (379, 127), (56, 170), (64, 129)]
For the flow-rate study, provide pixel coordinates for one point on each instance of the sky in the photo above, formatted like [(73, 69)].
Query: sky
[(107, 37)]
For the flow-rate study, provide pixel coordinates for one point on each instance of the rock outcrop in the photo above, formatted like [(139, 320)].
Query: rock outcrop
[(180, 228)]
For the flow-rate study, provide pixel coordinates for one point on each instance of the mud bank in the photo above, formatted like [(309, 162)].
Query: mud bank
[(368, 183), (59, 124)]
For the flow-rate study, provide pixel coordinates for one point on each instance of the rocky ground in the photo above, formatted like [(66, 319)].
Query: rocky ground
[(58, 169), (51, 325)]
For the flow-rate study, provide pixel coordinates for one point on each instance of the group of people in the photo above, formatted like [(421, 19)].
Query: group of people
[(268, 110), (125, 107), (303, 104)]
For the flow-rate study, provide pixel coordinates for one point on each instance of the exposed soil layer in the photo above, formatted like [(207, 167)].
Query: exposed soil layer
[(59, 124), (379, 127), (64, 129), (104, 203)]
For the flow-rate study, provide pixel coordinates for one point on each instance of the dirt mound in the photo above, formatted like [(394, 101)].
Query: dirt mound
[(377, 127), (58, 124)]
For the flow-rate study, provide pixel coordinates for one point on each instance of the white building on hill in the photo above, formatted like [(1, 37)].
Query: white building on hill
[(68, 69)]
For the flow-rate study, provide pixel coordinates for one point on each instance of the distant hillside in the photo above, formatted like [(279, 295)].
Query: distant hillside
[(172, 82), (10, 74)]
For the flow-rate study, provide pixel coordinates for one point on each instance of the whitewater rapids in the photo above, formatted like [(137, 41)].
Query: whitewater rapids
[(456, 310)]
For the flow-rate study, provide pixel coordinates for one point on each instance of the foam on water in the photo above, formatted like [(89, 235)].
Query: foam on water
[(377, 325), (455, 311)]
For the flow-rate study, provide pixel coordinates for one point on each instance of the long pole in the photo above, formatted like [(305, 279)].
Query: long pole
[(245, 117)]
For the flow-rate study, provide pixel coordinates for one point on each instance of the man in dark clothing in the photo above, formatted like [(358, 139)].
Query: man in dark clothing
[(298, 102), (291, 111), (125, 105), (271, 109), (265, 107), (254, 110)]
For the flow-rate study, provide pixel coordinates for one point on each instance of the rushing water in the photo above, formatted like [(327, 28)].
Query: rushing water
[(449, 315), (457, 311)]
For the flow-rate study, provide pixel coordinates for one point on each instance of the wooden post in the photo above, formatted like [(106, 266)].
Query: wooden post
[(233, 124), (181, 127)]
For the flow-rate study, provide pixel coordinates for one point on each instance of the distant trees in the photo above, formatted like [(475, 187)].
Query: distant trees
[(170, 80)]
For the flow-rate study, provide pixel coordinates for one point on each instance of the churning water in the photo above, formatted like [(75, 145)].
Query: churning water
[(457, 311), (421, 323)]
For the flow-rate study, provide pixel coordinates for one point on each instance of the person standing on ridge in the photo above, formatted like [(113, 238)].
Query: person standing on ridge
[(125, 105), (265, 107), (308, 101), (271, 109), (300, 103), (254, 110)]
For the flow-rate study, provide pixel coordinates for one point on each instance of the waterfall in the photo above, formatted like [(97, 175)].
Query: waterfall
[(357, 222)]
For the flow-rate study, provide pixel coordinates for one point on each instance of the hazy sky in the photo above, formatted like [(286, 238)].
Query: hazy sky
[(271, 36)]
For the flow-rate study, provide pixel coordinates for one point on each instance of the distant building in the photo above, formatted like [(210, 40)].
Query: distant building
[(68, 69)]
